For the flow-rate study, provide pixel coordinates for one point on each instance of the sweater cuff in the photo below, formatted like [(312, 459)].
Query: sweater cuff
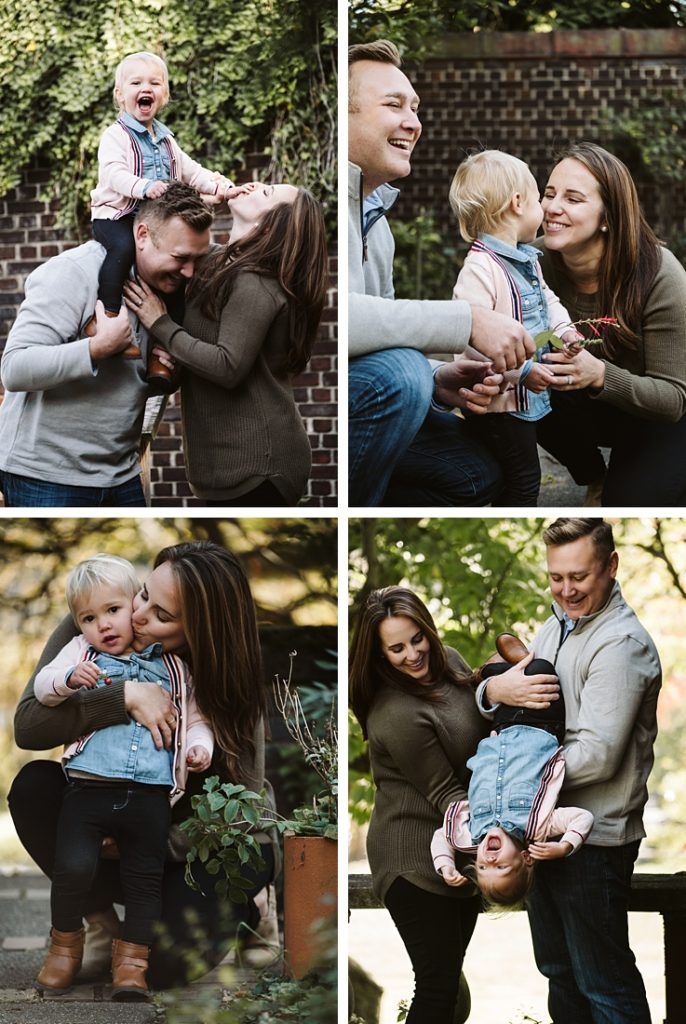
[(104, 705), (164, 329)]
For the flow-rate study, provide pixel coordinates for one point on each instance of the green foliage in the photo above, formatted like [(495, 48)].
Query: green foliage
[(219, 836), (425, 266), (246, 76), (415, 26)]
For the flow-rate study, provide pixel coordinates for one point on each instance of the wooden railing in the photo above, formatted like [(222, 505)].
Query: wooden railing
[(664, 894)]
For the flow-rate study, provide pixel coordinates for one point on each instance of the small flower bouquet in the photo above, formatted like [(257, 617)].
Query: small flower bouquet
[(595, 325)]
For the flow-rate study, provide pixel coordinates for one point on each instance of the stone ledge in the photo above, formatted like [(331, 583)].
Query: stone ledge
[(623, 42)]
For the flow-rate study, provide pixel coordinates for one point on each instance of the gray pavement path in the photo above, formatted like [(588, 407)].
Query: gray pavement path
[(24, 927)]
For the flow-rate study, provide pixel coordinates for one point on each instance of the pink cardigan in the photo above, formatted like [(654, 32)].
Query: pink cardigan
[(481, 282), (119, 187)]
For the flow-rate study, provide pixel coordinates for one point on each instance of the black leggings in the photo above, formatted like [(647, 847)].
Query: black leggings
[(117, 238), (552, 718), (512, 442), (647, 464), (196, 928), (436, 931)]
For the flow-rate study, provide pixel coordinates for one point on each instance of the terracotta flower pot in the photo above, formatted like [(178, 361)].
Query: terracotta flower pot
[(310, 895)]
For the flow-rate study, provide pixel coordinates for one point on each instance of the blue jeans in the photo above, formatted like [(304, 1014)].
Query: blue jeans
[(578, 915), (400, 451), (23, 492)]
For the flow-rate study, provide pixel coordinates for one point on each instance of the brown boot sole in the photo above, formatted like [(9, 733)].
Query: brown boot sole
[(53, 991), (129, 995)]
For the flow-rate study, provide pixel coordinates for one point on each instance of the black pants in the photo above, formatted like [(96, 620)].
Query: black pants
[(138, 818), (552, 718), (436, 931), (647, 464), (265, 495), (196, 928), (117, 237), (513, 444)]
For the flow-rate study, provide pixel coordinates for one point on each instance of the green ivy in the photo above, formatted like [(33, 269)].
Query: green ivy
[(246, 76)]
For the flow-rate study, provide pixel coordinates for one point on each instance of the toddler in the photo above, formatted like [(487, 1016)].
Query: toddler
[(496, 201), (138, 157), (510, 815), (120, 784)]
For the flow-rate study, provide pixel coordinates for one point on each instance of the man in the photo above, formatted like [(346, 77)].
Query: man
[(391, 386), (609, 672), (70, 422)]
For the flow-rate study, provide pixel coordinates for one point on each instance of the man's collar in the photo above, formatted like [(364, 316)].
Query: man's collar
[(615, 592)]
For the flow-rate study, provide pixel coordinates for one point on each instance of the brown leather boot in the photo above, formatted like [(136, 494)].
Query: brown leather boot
[(130, 352), (510, 648), (62, 962), (129, 964)]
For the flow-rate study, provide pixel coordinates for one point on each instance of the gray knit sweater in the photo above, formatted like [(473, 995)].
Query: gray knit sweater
[(418, 751), (241, 425)]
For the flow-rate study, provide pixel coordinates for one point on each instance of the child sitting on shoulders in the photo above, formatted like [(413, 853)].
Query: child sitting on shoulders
[(138, 157), (510, 819), (120, 784), (496, 201)]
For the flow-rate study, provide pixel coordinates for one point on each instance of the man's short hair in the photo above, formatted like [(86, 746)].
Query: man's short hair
[(381, 50), (179, 200), (564, 531)]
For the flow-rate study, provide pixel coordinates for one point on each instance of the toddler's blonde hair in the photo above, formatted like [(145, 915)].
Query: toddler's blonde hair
[(482, 190), (149, 58), (93, 572)]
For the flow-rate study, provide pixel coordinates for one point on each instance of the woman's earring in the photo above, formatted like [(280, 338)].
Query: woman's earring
[(604, 227)]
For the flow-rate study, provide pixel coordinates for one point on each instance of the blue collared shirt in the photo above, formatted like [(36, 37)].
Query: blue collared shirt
[(507, 770), (521, 262), (127, 751), (156, 164)]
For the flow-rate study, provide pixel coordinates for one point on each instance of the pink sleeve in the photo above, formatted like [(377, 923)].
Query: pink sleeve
[(49, 686), (115, 171)]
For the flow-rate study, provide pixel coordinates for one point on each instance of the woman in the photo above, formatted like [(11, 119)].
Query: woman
[(196, 602), (252, 314), (419, 714), (629, 394)]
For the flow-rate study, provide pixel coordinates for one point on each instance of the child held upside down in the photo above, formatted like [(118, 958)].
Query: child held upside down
[(511, 814), (120, 784)]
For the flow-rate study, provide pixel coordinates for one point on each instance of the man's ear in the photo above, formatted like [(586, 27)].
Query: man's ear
[(140, 233)]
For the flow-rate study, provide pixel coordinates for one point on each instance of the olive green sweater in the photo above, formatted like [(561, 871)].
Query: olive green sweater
[(241, 426), (650, 381), (418, 751)]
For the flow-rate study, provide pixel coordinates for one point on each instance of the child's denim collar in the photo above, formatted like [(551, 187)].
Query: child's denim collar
[(151, 651), (523, 252), (161, 130)]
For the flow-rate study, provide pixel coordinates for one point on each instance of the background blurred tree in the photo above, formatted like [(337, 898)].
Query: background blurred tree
[(246, 76), (481, 576), (414, 26), (291, 564)]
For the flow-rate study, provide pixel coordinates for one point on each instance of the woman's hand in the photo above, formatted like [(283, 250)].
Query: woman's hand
[(144, 302), (572, 372), (521, 691), (151, 706), (164, 357)]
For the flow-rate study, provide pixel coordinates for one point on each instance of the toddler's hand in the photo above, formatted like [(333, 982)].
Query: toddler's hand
[(549, 851), (198, 759), (157, 189), (451, 876), (538, 378), (571, 339), (86, 674)]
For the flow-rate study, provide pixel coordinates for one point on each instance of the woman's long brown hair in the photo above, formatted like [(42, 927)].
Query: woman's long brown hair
[(289, 244), (632, 252), (370, 670), (218, 618)]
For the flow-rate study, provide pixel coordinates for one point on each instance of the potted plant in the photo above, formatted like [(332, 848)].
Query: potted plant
[(225, 814)]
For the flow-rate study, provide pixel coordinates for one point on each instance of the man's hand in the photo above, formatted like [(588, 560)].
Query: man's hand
[(549, 851), (112, 334), (521, 691), (502, 339), (151, 706), (467, 384)]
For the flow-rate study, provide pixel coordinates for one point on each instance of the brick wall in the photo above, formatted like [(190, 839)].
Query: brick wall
[(528, 93), (28, 237)]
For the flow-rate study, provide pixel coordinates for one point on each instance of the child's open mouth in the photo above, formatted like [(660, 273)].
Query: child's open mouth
[(145, 104), (492, 843)]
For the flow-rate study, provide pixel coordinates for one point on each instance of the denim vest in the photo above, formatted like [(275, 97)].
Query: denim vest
[(127, 751), (154, 152), (509, 776), (519, 263)]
